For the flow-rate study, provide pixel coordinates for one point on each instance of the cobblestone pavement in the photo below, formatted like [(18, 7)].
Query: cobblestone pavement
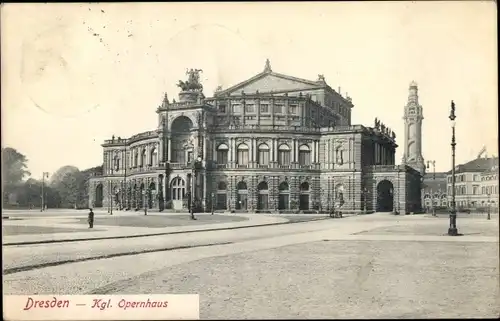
[(290, 271)]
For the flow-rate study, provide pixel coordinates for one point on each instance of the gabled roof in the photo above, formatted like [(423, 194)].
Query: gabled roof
[(477, 165), (268, 81)]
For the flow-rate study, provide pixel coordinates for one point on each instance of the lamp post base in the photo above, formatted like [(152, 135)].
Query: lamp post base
[(452, 231)]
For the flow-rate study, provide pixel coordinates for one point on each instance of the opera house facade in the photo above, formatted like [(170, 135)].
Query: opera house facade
[(270, 143)]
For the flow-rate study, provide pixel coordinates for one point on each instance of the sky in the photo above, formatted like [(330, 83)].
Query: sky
[(73, 75)]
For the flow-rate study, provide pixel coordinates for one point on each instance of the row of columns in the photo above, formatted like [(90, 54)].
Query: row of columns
[(254, 148), (271, 108), (383, 154), (145, 156)]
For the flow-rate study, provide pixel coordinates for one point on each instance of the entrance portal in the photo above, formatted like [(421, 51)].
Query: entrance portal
[(385, 196), (98, 196), (241, 196), (304, 196), (178, 190)]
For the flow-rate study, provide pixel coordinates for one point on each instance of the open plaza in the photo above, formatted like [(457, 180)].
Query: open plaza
[(263, 266)]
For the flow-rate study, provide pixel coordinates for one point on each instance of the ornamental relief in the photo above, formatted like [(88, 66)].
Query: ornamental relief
[(244, 140), (284, 141)]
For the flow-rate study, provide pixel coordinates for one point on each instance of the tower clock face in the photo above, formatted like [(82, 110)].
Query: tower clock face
[(412, 111)]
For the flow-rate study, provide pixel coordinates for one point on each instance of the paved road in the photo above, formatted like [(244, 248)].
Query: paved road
[(313, 269)]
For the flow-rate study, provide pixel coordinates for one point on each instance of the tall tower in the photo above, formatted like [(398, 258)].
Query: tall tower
[(413, 117)]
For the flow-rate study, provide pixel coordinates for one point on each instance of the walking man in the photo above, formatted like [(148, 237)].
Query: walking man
[(91, 219)]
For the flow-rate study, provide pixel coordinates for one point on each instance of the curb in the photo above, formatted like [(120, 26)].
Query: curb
[(157, 234), (101, 257)]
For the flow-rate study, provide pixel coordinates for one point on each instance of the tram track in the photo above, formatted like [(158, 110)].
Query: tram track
[(74, 254)]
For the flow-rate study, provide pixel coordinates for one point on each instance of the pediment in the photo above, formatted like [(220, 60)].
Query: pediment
[(271, 82)]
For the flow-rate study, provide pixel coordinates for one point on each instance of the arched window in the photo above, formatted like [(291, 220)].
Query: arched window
[(284, 155), (222, 154), (154, 157), (284, 196), (263, 196), (263, 155), (304, 155), (143, 157), (136, 159), (242, 157), (116, 163)]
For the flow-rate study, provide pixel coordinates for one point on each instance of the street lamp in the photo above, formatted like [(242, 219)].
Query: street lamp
[(433, 163), (44, 174), (111, 195), (452, 230), (489, 204), (365, 200), (213, 201), (197, 166), (145, 196)]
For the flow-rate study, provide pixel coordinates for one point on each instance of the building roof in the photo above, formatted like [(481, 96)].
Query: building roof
[(269, 81), (436, 184), (477, 165)]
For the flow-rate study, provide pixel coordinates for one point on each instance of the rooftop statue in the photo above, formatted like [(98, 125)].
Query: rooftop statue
[(193, 82)]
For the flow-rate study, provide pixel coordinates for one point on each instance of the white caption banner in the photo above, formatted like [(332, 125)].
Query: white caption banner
[(101, 307)]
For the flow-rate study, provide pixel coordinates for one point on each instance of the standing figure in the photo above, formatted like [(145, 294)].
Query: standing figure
[(91, 219)]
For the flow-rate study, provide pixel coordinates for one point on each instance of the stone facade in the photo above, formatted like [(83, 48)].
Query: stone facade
[(273, 142)]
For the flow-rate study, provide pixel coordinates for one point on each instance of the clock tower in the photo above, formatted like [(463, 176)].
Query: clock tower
[(413, 117)]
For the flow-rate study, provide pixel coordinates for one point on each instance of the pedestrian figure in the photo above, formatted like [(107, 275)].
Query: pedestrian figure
[(91, 219)]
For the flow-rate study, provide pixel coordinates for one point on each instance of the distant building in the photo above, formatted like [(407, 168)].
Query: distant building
[(476, 183), (270, 143), (434, 190)]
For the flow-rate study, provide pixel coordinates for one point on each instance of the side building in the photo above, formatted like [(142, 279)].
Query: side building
[(476, 183), (273, 142)]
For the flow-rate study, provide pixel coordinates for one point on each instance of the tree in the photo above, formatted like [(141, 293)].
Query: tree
[(14, 169), (69, 188), (58, 175), (72, 186), (14, 166)]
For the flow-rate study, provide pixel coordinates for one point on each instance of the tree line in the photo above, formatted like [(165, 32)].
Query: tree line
[(66, 188)]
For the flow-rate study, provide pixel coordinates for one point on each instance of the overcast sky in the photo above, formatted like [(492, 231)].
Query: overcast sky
[(75, 74)]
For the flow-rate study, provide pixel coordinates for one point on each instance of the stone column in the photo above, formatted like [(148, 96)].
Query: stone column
[(313, 151), (169, 148)]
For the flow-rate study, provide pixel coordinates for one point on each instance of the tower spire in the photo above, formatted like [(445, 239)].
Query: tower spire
[(413, 117)]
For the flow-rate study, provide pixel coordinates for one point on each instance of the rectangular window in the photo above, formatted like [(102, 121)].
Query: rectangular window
[(284, 157), (264, 157), (250, 108), (304, 157), (222, 156), (222, 108), (278, 109), (264, 108), (243, 157), (293, 109), (236, 109)]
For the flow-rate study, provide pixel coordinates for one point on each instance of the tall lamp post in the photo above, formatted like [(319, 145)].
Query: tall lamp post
[(489, 205), (44, 174), (145, 199), (197, 166), (365, 200), (433, 163), (452, 230), (111, 195), (213, 201)]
